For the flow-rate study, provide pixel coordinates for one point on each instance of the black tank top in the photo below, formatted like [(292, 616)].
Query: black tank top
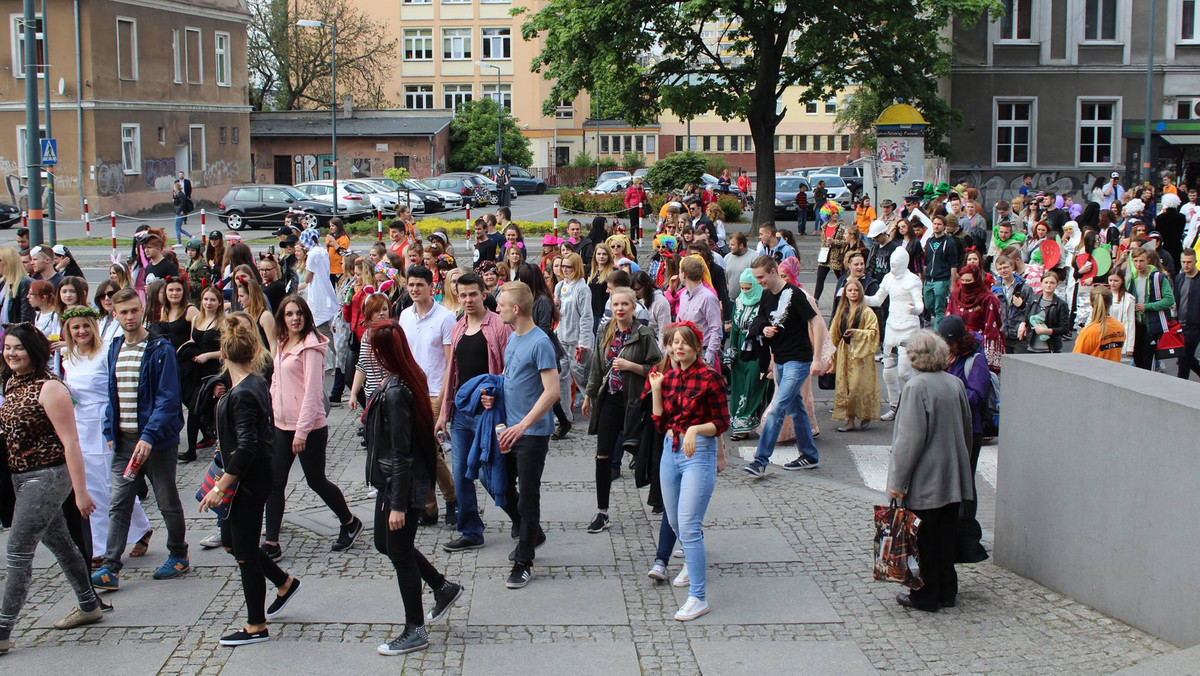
[(472, 357)]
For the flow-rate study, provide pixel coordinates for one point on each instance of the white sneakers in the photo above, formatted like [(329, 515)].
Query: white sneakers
[(682, 579), (691, 609), (658, 572)]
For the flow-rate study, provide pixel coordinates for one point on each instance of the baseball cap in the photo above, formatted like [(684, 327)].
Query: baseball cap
[(951, 329), (1154, 234), (60, 250), (283, 231), (290, 240)]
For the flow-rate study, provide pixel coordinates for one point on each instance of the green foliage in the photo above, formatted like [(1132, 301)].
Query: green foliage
[(583, 159), (608, 163), (583, 202), (862, 107), (397, 174), (731, 206), (631, 162), (716, 164), (676, 170), (456, 228), (473, 137)]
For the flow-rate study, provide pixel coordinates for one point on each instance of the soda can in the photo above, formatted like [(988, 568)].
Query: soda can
[(132, 468), (499, 429)]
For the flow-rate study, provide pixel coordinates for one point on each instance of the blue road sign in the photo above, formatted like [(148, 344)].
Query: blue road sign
[(49, 151)]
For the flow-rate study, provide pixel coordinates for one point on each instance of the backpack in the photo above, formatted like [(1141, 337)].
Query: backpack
[(991, 403)]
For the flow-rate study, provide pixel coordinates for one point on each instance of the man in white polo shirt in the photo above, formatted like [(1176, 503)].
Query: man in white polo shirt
[(428, 327)]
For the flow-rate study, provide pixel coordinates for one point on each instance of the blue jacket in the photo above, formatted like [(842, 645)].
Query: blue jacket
[(977, 384), (160, 403), (484, 461)]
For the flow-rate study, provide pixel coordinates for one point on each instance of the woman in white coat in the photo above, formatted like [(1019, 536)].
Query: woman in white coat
[(574, 301), (85, 372)]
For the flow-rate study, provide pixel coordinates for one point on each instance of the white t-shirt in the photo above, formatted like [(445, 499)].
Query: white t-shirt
[(319, 294), (427, 338)]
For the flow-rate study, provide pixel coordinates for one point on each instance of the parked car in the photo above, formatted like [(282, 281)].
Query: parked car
[(384, 198), (615, 173), (258, 206), (9, 215), (524, 182), (353, 203), (434, 200), (836, 188), (450, 200), (612, 186), (852, 174), (641, 172), (493, 190), (786, 188), (473, 192)]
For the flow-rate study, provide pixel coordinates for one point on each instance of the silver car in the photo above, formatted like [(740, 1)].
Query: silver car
[(836, 188)]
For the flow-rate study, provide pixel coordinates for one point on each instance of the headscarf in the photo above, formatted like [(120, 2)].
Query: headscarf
[(754, 295), (790, 269), (970, 295), (309, 238), (706, 275)]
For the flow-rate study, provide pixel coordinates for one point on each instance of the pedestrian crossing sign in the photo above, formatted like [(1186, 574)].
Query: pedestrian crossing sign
[(49, 151)]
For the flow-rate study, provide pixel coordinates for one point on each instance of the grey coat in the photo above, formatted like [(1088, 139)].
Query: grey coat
[(931, 441)]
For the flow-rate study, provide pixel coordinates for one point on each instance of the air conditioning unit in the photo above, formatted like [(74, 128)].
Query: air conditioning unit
[(1187, 109)]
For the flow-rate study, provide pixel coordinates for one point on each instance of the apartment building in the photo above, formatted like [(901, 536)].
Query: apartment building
[(161, 88), (1057, 89)]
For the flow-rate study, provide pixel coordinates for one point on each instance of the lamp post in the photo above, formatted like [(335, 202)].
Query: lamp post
[(501, 190), (311, 23)]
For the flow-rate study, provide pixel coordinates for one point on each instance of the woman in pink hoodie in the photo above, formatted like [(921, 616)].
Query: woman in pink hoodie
[(301, 429)]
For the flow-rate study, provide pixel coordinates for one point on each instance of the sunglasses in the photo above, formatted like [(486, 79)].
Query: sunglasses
[(109, 294), (267, 269)]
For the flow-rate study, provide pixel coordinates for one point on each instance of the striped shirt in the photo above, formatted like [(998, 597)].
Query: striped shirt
[(369, 366), (129, 365)]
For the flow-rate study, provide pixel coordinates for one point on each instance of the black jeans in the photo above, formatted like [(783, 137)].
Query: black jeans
[(525, 462), (240, 533), (822, 272), (610, 421), (312, 461), (410, 564), (937, 543), (970, 549), (1187, 361), (1144, 347)]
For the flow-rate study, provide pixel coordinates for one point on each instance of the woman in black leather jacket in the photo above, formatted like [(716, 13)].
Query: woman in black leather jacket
[(401, 463), (245, 428)]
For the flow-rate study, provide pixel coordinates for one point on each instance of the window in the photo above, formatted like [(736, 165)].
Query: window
[(707, 143), (454, 95), (776, 142), (127, 53), (22, 140), (497, 43), (1097, 132), (651, 144), (1017, 22), (1100, 20), (417, 2), (503, 96), (131, 148), (1189, 21), (274, 195), (628, 142), (224, 67), (816, 143), (418, 44), (456, 44), (176, 57), (845, 142), (638, 145), (565, 110), (810, 108), (733, 143), (604, 144), (162, 135), (193, 57), (789, 142), (222, 135), (1014, 132), (236, 138), (678, 144), (831, 107), (802, 142), (197, 152), (456, 2), (418, 96), (747, 144), (18, 43), (829, 142)]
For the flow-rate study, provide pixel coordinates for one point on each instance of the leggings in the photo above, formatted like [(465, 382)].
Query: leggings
[(410, 564), (240, 533), (610, 421), (38, 517), (312, 461), (822, 273)]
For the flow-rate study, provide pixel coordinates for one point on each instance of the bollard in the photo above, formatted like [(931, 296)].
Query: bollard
[(379, 225), (87, 220), (467, 234), (202, 233), (556, 220), (112, 219)]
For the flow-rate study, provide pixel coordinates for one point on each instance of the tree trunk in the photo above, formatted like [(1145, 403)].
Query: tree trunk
[(762, 130)]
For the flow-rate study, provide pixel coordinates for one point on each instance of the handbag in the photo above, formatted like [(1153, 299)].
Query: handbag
[(897, 558), (823, 255), (1170, 344), (827, 381), (211, 477)]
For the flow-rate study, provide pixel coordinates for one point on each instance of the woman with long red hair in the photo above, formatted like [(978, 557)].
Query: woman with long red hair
[(401, 464)]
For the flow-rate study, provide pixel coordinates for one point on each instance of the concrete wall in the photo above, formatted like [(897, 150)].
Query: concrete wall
[(1097, 498)]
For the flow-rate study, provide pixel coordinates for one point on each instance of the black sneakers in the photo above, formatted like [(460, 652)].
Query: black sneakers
[(598, 524), (541, 540), (412, 640), (461, 545), (519, 577), (273, 551), (347, 535), (243, 637), (281, 602), (443, 599)]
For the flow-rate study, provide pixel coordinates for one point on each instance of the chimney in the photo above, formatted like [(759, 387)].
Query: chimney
[(348, 105)]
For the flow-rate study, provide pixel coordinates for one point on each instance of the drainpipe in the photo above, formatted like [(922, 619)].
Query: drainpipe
[(79, 106), (432, 156)]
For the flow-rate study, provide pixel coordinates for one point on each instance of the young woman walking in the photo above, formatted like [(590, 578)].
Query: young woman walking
[(198, 359), (401, 465), (301, 429), (855, 331)]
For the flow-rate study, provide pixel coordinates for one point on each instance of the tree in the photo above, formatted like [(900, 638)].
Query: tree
[(677, 170), (473, 137), (736, 59), (289, 66), (860, 109)]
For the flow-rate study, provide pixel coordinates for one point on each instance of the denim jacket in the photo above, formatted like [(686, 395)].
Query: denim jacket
[(159, 401)]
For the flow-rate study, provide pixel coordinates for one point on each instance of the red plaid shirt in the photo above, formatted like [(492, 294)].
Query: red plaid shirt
[(692, 397)]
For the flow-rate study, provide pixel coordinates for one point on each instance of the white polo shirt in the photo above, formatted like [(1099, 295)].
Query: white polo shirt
[(427, 338)]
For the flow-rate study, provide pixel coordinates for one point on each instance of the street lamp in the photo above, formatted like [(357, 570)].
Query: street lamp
[(311, 23), (502, 190)]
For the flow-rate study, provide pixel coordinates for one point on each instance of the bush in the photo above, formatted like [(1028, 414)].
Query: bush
[(584, 202), (731, 206), (456, 228), (583, 159), (397, 174), (631, 162), (607, 163), (676, 170), (716, 164)]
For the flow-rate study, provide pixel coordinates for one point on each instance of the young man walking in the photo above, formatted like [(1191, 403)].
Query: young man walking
[(789, 331), (142, 423)]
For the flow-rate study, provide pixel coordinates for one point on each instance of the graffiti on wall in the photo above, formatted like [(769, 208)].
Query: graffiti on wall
[(312, 167), (159, 173), (994, 187), (222, 172), (361, 167), (110, 177)]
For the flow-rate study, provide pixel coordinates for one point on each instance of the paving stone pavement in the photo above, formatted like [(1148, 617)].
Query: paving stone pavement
[(790, 584)]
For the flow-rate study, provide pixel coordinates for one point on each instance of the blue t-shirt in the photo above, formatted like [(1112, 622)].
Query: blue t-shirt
[(524, 359)]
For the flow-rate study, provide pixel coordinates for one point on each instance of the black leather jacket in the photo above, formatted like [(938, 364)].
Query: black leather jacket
[(399, 456), (245, 425)]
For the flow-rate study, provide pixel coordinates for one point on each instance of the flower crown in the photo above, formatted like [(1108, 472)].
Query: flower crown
[(79, 311), (688, 325), (519, 245)]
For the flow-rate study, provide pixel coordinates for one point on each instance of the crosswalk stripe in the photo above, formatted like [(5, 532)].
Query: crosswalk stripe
[(872, 464)]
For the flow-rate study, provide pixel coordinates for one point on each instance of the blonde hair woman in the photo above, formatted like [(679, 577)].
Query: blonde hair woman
[(855, 332), (251, 299), (603, 264), (1103, 336), (14, 287)]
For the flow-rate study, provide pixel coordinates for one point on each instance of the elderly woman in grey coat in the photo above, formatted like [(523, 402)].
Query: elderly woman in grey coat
[(931, 468)]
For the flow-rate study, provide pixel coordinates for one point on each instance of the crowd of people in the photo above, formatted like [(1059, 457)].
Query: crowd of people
[(489, 359)]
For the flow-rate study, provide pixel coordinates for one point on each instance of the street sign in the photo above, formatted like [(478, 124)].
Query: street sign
[(49, 151)]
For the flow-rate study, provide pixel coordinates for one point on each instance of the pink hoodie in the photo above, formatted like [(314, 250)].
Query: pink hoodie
[(297, 386)]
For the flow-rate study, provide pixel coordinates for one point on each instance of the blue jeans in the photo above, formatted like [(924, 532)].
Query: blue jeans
[(687, 486), (802, 220), (462, 435), (666, 540), (180, 219), (936, 295), (789, 377)]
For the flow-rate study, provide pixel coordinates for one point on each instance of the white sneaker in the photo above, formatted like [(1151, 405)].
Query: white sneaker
[(658, 572), (212, 541), (373, 493), (889, 416), (682, 579), (691, 609)]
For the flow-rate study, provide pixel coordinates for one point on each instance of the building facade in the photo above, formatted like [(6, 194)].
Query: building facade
[(1057, 89), (161, 88)]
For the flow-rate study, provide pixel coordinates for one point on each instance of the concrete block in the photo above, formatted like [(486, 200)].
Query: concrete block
[(1179, 663), (322, 521), (552, 659), (547, 601), (339, 600), (146, 603), (562, 548), (746, 545), (574, 507), (812, 658), (104, 659), (569, 467), (305, 658), (763, 600)]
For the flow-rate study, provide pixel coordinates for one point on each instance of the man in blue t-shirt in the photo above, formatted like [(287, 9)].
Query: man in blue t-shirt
[(530, 390)]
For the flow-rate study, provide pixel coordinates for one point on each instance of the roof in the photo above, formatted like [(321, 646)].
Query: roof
[(380, 123), (900, 114)]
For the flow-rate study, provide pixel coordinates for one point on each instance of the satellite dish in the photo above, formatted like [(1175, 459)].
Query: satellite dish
[(1196, 109), (62, 86)]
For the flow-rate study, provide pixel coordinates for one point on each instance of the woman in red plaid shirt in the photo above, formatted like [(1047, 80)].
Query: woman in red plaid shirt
[(692, 409)]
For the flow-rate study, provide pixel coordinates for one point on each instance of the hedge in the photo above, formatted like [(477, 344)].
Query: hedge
[(456, 228), (728, 203)]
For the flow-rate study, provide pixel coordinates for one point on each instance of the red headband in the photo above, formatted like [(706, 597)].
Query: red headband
[(690, 325)]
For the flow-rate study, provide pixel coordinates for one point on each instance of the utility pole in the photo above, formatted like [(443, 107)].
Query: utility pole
[(1148, 170), (33, 145), (50, 215)]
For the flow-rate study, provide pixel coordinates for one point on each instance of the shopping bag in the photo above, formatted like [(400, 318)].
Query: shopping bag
[(1170, 344), (896, 555)]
